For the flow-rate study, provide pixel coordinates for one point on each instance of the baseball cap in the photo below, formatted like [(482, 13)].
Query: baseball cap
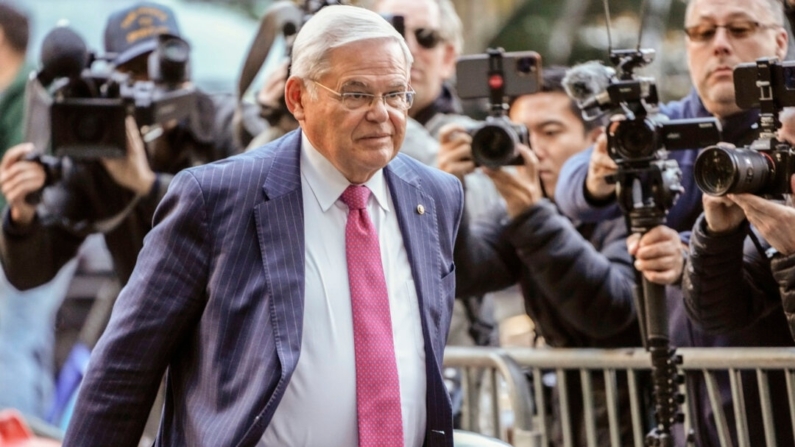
[(133, 31)]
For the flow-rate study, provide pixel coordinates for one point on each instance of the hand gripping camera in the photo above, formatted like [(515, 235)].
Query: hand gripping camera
[(496, 75), (89, 106), (765, 166)]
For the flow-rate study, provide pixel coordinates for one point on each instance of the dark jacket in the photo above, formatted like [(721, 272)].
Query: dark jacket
[(730, 290), (87, 195), (783, 268), (576, 280)]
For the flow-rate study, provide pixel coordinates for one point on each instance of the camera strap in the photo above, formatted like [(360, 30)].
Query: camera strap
[(87, 227)]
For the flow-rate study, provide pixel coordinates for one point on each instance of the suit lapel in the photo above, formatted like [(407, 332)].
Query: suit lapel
[(416, 214), (280, 230)]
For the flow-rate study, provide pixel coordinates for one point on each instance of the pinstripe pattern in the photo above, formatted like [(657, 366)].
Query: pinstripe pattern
[(217, 298)]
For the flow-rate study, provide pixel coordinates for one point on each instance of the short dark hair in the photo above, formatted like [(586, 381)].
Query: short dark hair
[(15, 27), (552, 82)]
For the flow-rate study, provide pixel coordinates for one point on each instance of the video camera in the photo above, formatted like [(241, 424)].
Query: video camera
[(765, 166), (496, 75), (88, 106), (643, 131), (638, 136)]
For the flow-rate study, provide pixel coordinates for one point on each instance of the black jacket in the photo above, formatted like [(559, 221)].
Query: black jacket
[(576, 280)]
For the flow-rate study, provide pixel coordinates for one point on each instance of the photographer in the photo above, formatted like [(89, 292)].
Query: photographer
[(576, 279), (114, 196), (742, 258), (720, 35)]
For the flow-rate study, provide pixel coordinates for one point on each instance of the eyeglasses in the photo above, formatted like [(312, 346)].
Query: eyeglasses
[(738, 29), (356, 100), (427, 38)]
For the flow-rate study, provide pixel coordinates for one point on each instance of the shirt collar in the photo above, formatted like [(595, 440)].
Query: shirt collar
[(328, 184)]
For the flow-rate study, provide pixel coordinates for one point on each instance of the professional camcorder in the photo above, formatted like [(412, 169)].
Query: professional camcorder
[(88, 106), (496, 75), (642, 131), (765, 166)]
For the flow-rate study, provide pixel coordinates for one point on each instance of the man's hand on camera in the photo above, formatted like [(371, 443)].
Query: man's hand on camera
[(600, 167), (455, 151), (722, 214), (521, 190), (771, 219), (658, 254), (132, 171), (18, 179)]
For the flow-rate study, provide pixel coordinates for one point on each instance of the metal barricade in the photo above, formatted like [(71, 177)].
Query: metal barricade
[(497, 365), (608, 363)]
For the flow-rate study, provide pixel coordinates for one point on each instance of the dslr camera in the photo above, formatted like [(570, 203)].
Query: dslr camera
[(637, 138), (496, 75), (765, 166), (88, 106)]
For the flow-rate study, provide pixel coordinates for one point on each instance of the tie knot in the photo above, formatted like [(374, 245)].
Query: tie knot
[(355, 196)]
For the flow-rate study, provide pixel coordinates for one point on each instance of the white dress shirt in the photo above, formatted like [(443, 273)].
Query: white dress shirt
[(319, 404)]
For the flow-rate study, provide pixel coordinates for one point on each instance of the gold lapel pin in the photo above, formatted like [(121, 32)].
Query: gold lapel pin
[(420, 209)]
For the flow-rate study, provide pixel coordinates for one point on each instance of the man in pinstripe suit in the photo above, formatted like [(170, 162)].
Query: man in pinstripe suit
[(240, 294)]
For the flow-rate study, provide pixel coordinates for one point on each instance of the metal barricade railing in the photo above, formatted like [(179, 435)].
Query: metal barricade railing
[(496, 364), (632, 361)]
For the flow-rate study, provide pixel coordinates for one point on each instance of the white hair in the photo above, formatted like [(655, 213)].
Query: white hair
[(333, 27)]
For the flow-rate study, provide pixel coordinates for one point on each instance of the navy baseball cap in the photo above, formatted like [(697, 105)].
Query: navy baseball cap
[(133, 31)]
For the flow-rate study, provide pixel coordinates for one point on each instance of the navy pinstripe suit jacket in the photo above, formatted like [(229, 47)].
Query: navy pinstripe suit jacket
[(217, 297)]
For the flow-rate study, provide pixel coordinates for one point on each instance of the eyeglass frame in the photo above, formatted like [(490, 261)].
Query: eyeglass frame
[(757, 26), (340, 96)]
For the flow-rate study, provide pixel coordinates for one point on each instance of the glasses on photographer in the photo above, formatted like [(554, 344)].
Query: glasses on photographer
[(738, 29), (357, 100), (427, 38)]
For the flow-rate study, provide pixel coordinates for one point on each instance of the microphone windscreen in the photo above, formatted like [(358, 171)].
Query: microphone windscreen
[(63, 54), (584, 81)]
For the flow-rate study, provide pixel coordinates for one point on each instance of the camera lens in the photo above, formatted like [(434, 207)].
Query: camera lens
[(720, 171), (525, 65), (636, 139), (493, 146)]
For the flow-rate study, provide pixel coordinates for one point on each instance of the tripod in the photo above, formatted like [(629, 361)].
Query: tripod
[(645, 192)]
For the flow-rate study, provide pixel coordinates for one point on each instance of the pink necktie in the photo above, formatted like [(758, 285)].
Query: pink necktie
[(377, 385)]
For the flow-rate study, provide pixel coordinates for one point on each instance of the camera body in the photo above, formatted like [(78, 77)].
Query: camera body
[(87, 114), (765, 166), (496, 75)]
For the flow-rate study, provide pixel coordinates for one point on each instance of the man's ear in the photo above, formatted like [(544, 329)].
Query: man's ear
[(448, 61), (782, 40), (294, 97)]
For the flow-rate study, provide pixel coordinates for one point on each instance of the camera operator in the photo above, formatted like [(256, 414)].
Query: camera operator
[(576, 279), (720, 35), (115, 196)]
